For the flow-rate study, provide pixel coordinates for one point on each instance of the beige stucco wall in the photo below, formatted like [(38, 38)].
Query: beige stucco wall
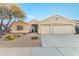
[(25, 27), (34, 22), (52, 19)]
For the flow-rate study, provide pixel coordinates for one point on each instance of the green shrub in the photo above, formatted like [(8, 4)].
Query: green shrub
[(10, 37)]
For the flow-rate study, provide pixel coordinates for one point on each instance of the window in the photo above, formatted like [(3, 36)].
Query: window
[(19, 28)]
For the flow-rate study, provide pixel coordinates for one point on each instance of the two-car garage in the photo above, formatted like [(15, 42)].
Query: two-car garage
[(56, 29)]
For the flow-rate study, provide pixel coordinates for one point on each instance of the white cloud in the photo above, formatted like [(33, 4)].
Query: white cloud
[(30, 17)]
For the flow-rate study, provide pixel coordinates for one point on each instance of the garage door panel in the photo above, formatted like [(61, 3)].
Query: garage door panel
[(45, 29), (62, 29)]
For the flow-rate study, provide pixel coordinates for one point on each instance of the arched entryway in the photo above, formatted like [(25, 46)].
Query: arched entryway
[(34, 28), (77, 29)]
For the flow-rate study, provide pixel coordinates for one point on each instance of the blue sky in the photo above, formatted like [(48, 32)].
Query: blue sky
[(43, 10)]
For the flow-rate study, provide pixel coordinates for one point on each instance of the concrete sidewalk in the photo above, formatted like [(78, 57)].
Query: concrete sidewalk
[(38, 51)]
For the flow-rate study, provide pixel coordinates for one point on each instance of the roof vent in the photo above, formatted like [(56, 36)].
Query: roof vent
[(56, 18)]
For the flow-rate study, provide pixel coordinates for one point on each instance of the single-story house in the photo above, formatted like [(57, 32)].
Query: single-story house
[(54, 24), (20, 27)]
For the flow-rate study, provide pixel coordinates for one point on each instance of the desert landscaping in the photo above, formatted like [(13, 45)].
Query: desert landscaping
[(24, 40)]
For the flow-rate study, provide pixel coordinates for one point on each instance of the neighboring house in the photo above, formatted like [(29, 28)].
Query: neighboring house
[(20, 27)]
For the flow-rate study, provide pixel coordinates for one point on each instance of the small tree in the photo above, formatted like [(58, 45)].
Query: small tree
[(8, 15)]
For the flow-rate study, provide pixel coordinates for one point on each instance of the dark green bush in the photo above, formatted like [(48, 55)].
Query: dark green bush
[(34, 38)]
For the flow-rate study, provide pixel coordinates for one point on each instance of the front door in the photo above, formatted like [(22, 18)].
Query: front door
[(34, 28)]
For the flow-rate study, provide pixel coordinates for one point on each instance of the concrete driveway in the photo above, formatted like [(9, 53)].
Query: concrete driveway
[(60, 40)]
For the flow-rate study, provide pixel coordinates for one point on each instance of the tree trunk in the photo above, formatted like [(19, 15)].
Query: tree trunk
[(1, 30), (8, 27)]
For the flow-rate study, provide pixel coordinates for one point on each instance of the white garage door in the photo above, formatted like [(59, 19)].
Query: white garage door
[(45, 29), (62, 29)]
